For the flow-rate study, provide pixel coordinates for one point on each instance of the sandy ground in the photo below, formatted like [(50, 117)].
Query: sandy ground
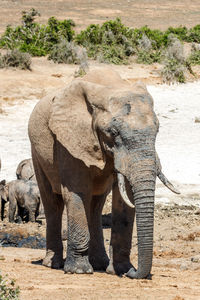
[(176, 265)]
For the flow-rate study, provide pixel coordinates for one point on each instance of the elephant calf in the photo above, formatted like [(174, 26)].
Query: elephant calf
[(23, 195)]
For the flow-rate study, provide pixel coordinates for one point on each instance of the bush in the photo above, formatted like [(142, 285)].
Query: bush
[(157, 37), (174, 61), (145, 52), (109, 43), (16, 59), (194, 57), (194, 34), (180, 32), (173, 71), (34, 38), (68, 52), (148, 57), (8, 291)]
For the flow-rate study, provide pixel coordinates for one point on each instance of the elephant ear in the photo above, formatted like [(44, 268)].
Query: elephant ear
[(71, 121)]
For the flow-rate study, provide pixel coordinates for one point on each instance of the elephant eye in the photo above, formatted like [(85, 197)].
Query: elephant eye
[(113, 131)]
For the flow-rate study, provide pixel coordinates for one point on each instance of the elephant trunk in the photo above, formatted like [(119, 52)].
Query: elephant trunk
[(141, 176), (144, 207)]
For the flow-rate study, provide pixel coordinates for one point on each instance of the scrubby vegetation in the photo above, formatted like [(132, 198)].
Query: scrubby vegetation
[(194, 57), (34, 38), (111, 42), (8, 290), (68, 52), (174, 61), (17, 59)]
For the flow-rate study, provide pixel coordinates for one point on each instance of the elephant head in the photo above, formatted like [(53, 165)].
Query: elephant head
[(3, 196), (115, 122)]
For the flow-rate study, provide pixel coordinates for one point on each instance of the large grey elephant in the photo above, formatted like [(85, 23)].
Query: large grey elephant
[(96, 135), (25, 170)]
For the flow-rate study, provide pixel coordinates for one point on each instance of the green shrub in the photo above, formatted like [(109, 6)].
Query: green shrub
[(180, 32), (16, 59), (109, 43), (8, 291), (194, 57), (34, 38), (146, 54), (157, 37), (56, 31), (194, 34), (148, 57), (68, 52), (112, 54)]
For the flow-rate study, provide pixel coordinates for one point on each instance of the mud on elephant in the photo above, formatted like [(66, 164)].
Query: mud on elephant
[(96, 135)]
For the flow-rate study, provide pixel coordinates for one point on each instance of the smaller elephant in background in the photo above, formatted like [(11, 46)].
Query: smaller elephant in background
[(21, 194), (25, 170)]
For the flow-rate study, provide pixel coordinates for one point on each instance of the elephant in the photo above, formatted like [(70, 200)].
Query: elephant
[(21, 194), (3, 197), (96, 135), (25, 170)]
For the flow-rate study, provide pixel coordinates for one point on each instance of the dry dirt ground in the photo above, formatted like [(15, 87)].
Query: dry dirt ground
[(176, 265), (175, 272)]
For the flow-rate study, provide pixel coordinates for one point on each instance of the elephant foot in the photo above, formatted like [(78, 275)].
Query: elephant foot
[(78, 265), (134, 274), (100, 262), (53, 261), (119, 268)]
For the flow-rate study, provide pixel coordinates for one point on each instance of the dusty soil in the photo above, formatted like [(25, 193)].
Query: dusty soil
[(175, 272), (176, 265)]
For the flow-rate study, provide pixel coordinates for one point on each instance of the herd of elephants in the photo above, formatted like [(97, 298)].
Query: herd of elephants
[(95, 136)]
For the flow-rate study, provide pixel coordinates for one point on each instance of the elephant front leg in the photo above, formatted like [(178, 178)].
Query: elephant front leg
[(78, 237), (121, 235), (97, 254)]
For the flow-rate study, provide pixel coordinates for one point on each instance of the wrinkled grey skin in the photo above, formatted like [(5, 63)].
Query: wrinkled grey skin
[(25, 170), (22, 195), (111, 119)]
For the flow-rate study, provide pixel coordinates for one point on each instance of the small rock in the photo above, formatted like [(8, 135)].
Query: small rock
[(195, 259), (197, 120), (184, 266)]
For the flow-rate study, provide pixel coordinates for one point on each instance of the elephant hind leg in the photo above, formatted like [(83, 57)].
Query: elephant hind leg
[(97, 254), (53, 208), (12, 209)]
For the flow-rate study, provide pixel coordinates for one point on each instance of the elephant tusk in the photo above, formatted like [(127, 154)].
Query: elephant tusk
[(122, 189), (166, 182)]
